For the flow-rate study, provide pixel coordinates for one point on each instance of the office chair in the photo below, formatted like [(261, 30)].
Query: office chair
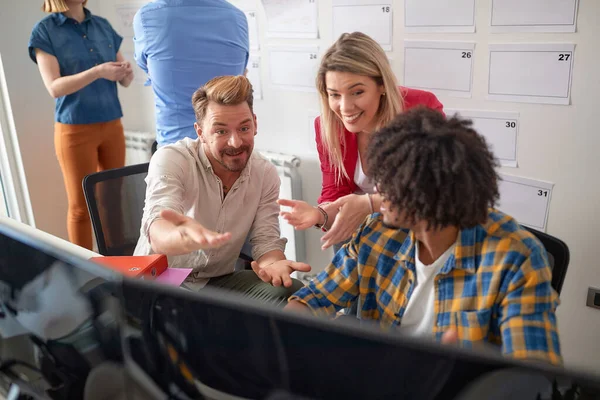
[(558, 254), (115, 200)]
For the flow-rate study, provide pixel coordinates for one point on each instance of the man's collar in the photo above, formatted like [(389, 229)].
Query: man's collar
[(62, 18), (203, 157), (464, 251)]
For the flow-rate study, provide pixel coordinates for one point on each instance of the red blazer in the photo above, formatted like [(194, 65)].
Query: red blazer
[(330, 191)]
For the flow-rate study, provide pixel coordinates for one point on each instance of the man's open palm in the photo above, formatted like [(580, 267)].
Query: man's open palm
[(193, 233)]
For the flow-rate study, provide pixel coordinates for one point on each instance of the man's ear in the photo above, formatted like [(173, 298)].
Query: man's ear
[(198, 130), (255, 125)]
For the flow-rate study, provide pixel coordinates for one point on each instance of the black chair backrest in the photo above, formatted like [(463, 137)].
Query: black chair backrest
[(559, 255), (115, 201)]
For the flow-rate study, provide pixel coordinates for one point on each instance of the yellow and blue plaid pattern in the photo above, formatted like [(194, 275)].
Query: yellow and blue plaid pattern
[(495, 287)]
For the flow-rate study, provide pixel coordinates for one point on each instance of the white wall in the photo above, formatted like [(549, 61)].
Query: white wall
[(559, 144), (555, 143)]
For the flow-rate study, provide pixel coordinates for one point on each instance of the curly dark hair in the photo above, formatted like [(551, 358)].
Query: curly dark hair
[(434, 169)]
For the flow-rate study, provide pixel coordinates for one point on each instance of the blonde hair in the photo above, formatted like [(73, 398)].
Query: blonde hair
[(358, 54), (225, 90), (56, 6)]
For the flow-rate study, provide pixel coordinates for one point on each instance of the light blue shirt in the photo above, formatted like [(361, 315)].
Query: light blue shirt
[(182, 44)]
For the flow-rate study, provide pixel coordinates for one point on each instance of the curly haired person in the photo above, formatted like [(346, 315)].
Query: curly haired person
[(438, 260)]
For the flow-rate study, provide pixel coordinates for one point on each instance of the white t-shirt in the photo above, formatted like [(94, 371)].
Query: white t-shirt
[(418, 317), (364, 183)]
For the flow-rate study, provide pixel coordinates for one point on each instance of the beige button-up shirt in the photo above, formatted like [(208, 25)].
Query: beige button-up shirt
[(181, 178)]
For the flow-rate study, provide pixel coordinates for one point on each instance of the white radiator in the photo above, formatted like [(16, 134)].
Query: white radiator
[(138, 147), (291, 188)]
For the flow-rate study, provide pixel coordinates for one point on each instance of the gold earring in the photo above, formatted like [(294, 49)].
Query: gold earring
[(383, 93)]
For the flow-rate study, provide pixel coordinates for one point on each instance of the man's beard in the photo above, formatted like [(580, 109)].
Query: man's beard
[(389, 226), (237, 165), (395, 223)]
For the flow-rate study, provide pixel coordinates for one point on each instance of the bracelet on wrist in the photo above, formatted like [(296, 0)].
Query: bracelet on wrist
[(325, 218)]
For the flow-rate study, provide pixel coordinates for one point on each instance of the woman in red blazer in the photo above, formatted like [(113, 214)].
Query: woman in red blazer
[(359, 94)]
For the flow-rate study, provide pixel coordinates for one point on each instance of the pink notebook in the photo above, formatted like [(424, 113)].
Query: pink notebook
[(173, 276)]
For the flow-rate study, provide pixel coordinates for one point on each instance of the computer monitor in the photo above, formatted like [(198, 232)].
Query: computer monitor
[(214, 341), (53, 301)]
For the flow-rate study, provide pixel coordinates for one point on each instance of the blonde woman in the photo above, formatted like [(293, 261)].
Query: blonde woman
[(78, 57), (359, 94)]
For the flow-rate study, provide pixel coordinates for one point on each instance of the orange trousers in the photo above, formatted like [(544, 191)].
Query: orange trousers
[(82, 150)]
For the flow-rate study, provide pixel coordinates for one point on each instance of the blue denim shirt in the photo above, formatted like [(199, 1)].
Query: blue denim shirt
[(182, 44), (79, 47)]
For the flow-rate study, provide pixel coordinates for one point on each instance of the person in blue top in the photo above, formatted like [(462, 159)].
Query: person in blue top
[(78, 57), (181, 45)]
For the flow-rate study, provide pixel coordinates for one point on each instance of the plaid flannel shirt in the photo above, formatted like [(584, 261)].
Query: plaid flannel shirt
[(495, 287)]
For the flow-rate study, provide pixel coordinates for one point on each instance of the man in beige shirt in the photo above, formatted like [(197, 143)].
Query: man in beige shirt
[(206, 197)]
